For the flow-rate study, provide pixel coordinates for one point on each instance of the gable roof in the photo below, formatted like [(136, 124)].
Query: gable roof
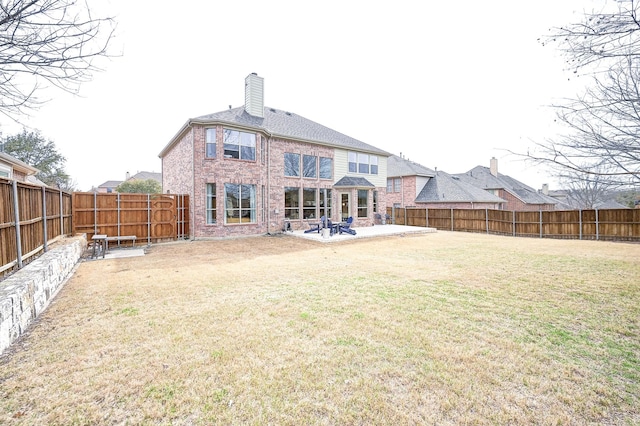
[(444, 187), (278, 123), (481, 177), (398, 166), (110, 184)]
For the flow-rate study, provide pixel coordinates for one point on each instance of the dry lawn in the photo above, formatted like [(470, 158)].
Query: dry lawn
[(445, 328)]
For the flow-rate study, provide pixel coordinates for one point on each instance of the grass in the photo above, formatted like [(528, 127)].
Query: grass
[(444, 328)]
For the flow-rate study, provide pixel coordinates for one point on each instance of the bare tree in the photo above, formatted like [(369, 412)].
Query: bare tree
[(47, 43), (586, 191), (603, 124)]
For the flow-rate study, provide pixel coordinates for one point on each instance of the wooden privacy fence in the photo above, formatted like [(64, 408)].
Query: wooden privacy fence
[(610, 224), (149, 217), (31, 218)]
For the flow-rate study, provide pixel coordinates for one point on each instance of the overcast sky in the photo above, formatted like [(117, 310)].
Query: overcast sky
[(447, 84)]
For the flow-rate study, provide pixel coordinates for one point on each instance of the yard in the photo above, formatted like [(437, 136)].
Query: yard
[(444, 328)]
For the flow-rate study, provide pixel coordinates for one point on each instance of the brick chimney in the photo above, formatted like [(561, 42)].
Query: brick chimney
[(254, 95), (493, 166)]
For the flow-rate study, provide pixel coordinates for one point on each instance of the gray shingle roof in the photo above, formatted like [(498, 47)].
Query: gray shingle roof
[(148, 175), (481, 177), (283, 124), (397, 166), (444, 187), (110, 184), (353, 182)]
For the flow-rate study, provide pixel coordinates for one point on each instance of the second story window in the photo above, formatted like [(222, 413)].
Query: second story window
[(291, 164), (210, 143), (326, 168), (310, 168), (360, 162), (239, 145)]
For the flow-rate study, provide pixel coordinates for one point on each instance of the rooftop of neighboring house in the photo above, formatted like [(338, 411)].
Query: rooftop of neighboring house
[(398, 166), (110, 184), (489, 178), (146, 176), (444, 187), (274, 122), (16, 164)]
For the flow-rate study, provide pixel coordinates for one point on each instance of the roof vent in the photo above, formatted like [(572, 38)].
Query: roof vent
[(272, 109), (288, 113)]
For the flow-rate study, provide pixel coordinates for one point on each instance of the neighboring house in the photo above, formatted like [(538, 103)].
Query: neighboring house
[(518, 196), (12, 168), (111, 185), (410, 184), (254, 170)]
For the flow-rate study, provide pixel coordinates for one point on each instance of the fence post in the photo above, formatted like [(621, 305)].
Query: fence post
[(580, 220), (427, 213), (95, 212), (513, 221), (44, 219), (16, 214), (118, 214), (452, 218), (148, 220), (61, 214), (486, 219), (597, 227), (540, 223)]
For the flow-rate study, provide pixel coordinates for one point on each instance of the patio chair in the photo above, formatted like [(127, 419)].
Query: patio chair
[(347, 227), (315, 227)]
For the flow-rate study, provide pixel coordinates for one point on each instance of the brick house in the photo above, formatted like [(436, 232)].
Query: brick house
[(254, 170), (518, 196), (410, 184)]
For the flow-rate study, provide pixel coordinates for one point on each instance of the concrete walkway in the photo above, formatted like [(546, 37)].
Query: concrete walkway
[(364, 232)]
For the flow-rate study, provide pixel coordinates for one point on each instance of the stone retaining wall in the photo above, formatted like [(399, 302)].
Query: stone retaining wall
[(26, 294)]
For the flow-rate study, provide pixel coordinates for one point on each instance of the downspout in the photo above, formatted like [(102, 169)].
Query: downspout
[(267, 198), (192, 202)]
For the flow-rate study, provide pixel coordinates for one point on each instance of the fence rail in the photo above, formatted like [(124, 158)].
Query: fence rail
[(609, 224), (31, 218), (150, 217)]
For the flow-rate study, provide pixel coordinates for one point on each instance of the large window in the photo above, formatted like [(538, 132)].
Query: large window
[(291, 202), (362, 202), (326, 168), (360, 162), (210, 143), (309, 203), (325, 202), (240, 145), (240, 203), (310, 168), (211, 203), (291, 164)]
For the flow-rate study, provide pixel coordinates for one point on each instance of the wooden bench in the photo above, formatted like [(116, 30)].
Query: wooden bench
[(131, 238)]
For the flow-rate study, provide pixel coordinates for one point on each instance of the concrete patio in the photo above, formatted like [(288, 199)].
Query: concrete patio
[(363, 232)]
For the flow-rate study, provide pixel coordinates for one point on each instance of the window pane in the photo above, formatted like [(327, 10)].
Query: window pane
[(291, 203), (353, 164), (210, 137), (325, 202), (363, 163), (211, 203), (373, 160), (362, 202), (309, 202), (248, 146), (232, 203), (375, 201), (231, 143), (247, 203), (389, 185), (397, 185), (326, 168), (309, 166), (291, 164)]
